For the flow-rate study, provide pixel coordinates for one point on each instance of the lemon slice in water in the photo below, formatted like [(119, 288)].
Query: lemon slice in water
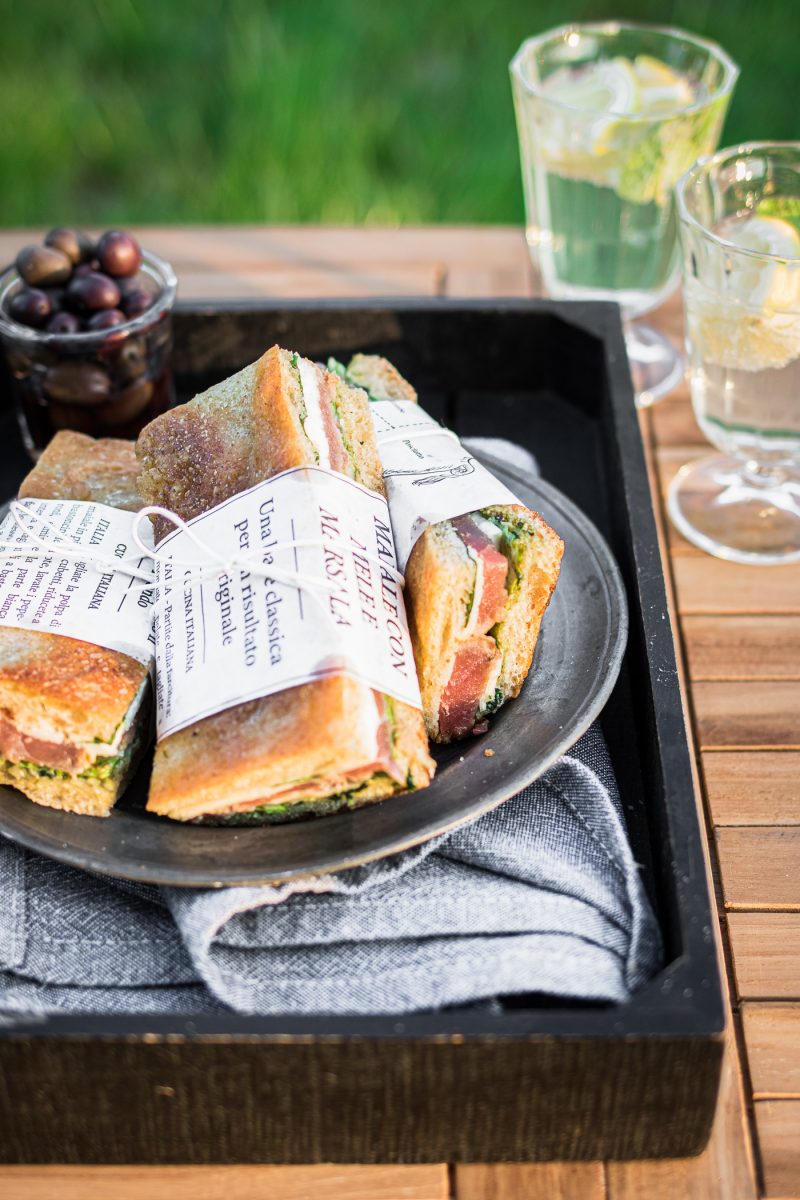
[(767, 235), (761, 328), (608, 86), (661, 89)]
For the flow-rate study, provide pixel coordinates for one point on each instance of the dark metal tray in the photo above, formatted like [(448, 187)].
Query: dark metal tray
[(540, 1079)]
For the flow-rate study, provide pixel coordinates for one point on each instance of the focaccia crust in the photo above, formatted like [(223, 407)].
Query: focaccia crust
[(76, 467)]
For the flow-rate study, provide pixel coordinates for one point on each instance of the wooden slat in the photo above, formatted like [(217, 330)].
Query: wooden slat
[(535, 1181), (711, 585), (488, 280), (760, 867), (766, 954), (674, 423), (669, 460), (772, 1032), (754, 787), (224, 1183), (778, 1123), (753, 714), (734, 647), (724, 1171), (380, 280), (226, 248)]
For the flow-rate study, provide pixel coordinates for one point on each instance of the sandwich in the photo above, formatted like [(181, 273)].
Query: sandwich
[(318, 747), (477, 587), (74, 717)]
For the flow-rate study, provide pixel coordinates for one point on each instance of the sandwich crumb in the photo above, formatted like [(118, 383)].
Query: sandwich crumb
[(488, 754)]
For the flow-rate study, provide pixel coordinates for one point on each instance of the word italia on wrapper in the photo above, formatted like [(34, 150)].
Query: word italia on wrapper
[(74, 568)]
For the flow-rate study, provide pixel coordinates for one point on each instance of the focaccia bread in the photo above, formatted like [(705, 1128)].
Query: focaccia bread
[(73, 716), (321, 746), (477, 587)]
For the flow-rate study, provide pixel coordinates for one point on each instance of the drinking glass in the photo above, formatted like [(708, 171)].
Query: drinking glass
[(740, 229), (609, 117)]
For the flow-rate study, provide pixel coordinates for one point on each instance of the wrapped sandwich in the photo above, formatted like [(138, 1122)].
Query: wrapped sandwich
[(74, 716), (319, 746), (477, 587)]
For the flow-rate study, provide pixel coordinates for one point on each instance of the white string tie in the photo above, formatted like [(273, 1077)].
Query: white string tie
[(43, 546)]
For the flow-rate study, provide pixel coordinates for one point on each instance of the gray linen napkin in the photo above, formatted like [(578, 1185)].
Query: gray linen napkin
[(540, 895)]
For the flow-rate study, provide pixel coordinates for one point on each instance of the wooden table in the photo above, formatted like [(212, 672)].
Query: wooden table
[(739, 629)]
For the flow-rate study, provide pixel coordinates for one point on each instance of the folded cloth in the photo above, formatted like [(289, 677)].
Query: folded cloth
[(542, 895)]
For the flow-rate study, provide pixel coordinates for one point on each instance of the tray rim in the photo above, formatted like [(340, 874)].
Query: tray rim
[(652, 1011)]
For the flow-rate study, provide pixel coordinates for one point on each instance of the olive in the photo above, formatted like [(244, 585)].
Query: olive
[(56, 296), (43, 265), (127, 404), (63, 322), (30, 306), (77, 383), (129, 360), (67, 241), (88, 246), (136, 301), (93, 291), (107, 318), (19, 364), (86, 268), (119, 253)]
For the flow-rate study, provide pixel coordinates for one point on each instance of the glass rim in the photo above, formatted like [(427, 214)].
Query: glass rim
[(731, 68), (703, 165), (85, 339)]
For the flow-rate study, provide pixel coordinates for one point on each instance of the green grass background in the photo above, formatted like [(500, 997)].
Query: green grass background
[(337, 111)]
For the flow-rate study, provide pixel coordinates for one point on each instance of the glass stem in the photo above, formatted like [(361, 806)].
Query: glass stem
[(763, 476)]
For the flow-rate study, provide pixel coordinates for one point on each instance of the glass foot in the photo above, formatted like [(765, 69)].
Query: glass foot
[(735, 510), (656, 366)]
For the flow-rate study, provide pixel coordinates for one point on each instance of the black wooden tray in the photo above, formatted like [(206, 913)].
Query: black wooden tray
[(541, 1079)]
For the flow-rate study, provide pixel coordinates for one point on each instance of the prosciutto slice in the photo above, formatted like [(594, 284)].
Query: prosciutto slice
[(320, 789), (491, 597), (474, 667), (478, 656)]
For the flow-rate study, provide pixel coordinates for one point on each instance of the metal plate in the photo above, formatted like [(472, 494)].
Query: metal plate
[(577, 660)]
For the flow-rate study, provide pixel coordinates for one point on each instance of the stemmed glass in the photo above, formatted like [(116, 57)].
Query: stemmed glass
[(609, 118), (740, 229)]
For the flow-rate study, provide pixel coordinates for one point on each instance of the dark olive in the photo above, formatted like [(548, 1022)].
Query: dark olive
[(67, 241), (86, 268), (63, 322), (56, 296), (88, 246), (107, 319), (77, 383), (93, 291), (119, 253), (129, 360), (31, 306), (19, 364), (136, 301), (43, 266), (127, 404)]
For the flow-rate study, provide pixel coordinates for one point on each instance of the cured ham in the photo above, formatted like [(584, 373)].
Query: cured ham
[(490, 599), (312, 789), (476, 663), (478, 658)]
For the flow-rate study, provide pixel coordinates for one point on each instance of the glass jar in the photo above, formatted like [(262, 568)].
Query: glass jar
[(107, 383)]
